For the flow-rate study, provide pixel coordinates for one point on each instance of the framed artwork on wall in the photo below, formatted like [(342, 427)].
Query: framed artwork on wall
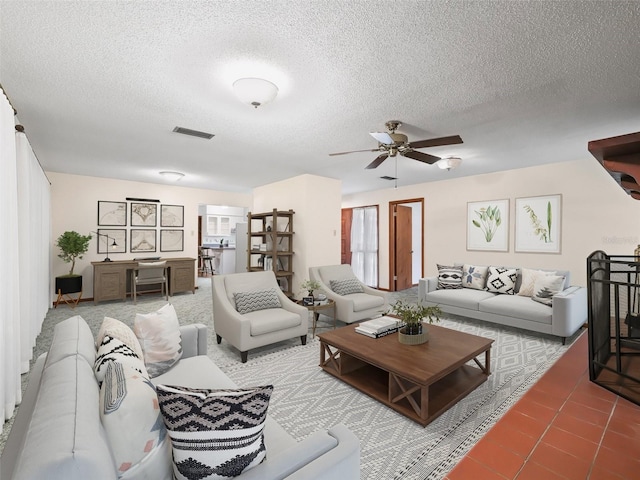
[(112, 213), (488, 225), (539, 224), (143, 240), (171, 240), (143, 215), (117, 235), (171, 216)]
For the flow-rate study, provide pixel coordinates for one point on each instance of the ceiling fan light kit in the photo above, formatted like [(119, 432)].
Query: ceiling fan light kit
[(449, 163), (255, 91)]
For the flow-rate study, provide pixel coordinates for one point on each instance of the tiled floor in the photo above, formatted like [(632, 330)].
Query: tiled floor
[(564, 427)]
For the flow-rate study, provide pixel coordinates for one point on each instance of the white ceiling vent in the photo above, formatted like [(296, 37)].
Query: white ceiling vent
[(193, 133)]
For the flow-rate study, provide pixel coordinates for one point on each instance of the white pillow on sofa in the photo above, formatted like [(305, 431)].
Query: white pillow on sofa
[(529, 277), (120, 330), (159, 336), (546, 287), (502, 280), (115, 350), (474, 276)]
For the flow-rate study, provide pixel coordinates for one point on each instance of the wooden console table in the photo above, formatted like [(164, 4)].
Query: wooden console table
[(112, 280)]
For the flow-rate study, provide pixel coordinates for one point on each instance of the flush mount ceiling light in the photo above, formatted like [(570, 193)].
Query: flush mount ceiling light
[(255, 91), (173, 176), (449, 163)]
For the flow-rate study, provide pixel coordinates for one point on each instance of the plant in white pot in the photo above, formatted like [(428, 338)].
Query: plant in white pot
[(414, 316)]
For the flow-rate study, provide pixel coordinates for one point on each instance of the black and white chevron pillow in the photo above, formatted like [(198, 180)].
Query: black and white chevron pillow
[(214, 433), (247, 302), (346, 286)]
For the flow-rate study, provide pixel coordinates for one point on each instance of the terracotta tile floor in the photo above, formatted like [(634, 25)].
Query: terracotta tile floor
[(565, 427)]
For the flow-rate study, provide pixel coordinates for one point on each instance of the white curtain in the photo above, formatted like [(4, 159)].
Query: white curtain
[(364, 245), (24, 256)]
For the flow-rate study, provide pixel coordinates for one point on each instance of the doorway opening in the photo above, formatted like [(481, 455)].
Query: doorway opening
[(406, 243)]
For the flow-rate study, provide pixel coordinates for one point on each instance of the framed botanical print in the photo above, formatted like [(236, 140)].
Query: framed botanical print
[(171, 216), (112, 214), (488, 225), (171, 240), (143, 240), (539, 224), (143, 214)]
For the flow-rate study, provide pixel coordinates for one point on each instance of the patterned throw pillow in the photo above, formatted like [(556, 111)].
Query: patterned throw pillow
[(247, 302), (114, 350), (214, 433), (131, 418), (502, 280), (346, 286), (474, 276), (546, 287), (159, 336), (117, 329), (449, 277), (529, 278)]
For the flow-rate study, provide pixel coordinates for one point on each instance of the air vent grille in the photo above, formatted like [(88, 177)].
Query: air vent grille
[(193, 133), (387, 177)]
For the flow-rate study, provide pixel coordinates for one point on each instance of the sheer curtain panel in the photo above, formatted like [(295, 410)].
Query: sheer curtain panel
[(364, 245)]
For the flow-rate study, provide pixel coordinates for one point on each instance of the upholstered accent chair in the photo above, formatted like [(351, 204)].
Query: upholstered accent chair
[(250, 311), (354, 300)]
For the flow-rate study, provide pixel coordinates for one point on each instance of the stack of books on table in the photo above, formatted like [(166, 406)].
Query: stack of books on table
[(378, 327)]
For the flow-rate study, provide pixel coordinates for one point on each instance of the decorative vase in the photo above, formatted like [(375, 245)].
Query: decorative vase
[(413, 334)]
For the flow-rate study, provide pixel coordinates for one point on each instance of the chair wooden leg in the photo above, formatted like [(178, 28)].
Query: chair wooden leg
[(303, 339), (218, 339), (244, 356)]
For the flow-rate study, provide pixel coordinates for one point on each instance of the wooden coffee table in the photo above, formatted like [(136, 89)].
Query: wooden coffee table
[(418, 381)]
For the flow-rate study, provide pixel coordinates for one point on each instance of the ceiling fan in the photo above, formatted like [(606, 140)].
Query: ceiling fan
[(391, 144)]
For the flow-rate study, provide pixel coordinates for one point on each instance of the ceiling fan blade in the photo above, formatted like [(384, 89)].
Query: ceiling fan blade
[(382, 137), (377, 161), (436, 142), (354, 151), (422, 157)]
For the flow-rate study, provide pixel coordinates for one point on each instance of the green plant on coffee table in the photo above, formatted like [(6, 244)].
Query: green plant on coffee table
[(413, 314), (310, 286), (73, 245)]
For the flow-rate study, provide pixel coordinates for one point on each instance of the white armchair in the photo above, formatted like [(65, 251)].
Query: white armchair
[(250, 311), (365, 302)]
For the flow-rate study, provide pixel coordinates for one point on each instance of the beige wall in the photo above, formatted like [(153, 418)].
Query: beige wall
[(74, 203), (596, 215), (316, 203)]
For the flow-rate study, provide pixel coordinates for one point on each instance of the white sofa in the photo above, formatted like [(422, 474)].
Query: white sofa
[(566, 315), (58, 435)]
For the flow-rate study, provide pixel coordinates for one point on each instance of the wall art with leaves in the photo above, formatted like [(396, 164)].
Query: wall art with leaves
[(488, 225), (539, 224)]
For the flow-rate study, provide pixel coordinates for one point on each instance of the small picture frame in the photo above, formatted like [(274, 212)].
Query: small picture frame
[(307, 301), (143, 215), (112, 214), (106, 238), (539, 224), (143, 240), (171, 240), (171, 216)]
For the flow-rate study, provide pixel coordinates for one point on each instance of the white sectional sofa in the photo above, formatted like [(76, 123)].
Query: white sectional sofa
[(566, 314)]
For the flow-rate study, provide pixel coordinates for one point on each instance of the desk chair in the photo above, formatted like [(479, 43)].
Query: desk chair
[(150, 273)]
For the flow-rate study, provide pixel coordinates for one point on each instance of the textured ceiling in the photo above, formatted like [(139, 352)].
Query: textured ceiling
[(100, 85)]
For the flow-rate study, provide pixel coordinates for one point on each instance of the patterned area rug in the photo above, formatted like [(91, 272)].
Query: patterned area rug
[(306, 398)]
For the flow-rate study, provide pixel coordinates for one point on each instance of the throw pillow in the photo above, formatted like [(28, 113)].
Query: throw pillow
[(117, 329), (247, 302), (346, 286), (214, 433), (114, 350), (474, 276), (546, 287), (159, 336), (529, 278), (131, 418), (502, 280), (449, 277)]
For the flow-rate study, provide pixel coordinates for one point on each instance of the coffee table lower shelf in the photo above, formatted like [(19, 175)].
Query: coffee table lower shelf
[(420, 403)]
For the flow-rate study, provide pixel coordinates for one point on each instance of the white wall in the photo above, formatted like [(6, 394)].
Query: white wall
[(596, 215), (74, 204), (316, 203)]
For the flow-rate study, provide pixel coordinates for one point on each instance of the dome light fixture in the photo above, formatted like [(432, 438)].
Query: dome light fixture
[(449, 163), (255, 91), (173, 176)]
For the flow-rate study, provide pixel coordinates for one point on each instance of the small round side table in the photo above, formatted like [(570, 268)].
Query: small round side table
[(316, 308)]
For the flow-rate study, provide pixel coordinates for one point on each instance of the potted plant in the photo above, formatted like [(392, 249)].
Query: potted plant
[(310, 286), (414, 315), (73, 246)]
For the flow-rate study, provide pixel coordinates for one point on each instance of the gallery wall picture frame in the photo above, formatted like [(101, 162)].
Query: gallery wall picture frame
[(539, 224), (143, 240), (112, 214), (143, 214), (171, 240), (488, 225), (119, 235), (171, 215)]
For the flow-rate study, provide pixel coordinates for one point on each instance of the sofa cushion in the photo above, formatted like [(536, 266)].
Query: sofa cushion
[(474, 276), (159, 336), (131, 417), (546, 287), (272, 320), (463, 298), (449, 277), (120, 330), (247, 302), (70, 337), (114, 350), (215, 433), (529, 277), (346, 286), (502, 280), (517, 307)]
